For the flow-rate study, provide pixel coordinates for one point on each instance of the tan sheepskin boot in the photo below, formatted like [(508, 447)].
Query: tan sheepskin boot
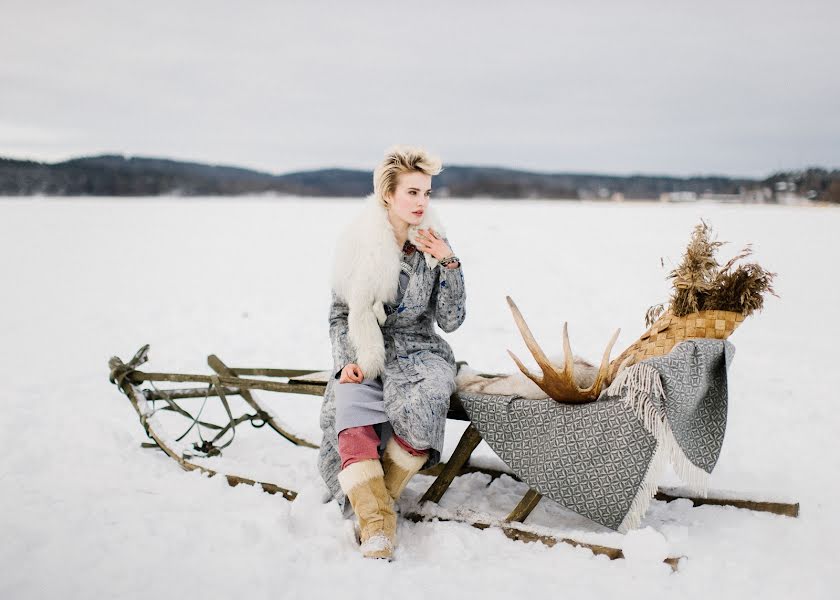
[(399, 466), (364, 484)]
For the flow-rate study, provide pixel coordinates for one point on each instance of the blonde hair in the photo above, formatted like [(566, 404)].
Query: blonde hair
[(398, 160)]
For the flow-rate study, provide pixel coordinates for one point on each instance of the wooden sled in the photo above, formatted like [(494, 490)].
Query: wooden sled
[(230, 381)]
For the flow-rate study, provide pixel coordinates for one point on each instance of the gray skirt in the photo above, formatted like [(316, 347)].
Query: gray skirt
[(358, 404)]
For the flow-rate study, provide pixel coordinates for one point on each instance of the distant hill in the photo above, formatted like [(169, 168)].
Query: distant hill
[(116, 175)]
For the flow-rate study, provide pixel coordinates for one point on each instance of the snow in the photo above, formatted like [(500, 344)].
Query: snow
[(645, 545), (87, 512)]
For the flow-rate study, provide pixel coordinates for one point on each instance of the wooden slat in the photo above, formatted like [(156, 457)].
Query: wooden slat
[(526, 505), (320, 377), (468, 442), (520, 535), (787, 509), (268, 372), (222, 369), (493, 473), (137, 377), (182, 393)]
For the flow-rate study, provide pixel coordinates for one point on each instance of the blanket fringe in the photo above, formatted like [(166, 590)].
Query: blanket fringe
[(641, 388)]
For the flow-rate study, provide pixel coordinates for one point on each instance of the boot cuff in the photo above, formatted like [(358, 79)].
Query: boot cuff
[(358, 473), (402, 458)]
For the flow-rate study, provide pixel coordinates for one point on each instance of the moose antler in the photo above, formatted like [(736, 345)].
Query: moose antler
[(559, 385)]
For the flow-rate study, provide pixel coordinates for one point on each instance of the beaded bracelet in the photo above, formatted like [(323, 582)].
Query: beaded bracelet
[(449, 259)]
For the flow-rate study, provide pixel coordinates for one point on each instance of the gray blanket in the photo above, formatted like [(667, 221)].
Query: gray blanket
[(604, 459)]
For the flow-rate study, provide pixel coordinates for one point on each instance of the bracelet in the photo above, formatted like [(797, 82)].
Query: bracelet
[(449, 259)]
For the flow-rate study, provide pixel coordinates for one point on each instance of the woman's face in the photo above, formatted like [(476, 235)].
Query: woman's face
[(411, 197)]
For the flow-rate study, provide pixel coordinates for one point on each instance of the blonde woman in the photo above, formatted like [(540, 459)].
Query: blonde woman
[(384, 412)]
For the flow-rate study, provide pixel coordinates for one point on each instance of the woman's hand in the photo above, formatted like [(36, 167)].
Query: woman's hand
[(351, 373), (429, 241)]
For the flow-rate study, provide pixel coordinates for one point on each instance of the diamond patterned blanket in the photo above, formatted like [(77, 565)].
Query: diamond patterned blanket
[(604, 459)]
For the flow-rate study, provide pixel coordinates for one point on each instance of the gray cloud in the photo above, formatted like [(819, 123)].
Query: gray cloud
[(657, 87)]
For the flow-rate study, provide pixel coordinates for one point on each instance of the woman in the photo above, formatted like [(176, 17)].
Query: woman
[(384, 411)]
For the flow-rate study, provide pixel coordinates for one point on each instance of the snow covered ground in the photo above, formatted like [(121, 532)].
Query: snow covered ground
[(85, 512)]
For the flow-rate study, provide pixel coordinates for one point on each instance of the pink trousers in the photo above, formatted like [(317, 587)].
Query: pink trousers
[(362, 443)]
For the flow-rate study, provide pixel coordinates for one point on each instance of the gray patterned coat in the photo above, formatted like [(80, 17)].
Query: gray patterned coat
[(419, 374)]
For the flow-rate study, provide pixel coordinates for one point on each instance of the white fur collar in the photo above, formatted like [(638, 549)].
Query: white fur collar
[(365, 274)]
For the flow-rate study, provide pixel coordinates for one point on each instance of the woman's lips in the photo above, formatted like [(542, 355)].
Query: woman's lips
[(419, 213)]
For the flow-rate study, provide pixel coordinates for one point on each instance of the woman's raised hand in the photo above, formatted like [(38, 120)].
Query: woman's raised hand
[(351, 373), (429, 241)]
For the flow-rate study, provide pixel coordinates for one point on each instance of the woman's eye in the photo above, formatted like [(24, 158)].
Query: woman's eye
[(413, 193)]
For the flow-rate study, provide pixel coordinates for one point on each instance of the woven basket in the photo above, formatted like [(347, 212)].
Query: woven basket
[(669, 330)]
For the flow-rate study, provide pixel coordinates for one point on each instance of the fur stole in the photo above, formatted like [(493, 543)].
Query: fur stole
[(365, 275)]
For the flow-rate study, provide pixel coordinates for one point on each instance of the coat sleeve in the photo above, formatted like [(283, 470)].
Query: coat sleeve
[(342, 348), (450, 306)]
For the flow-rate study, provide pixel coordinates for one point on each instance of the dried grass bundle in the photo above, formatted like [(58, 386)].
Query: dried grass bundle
[(694, 277), (700, 283), (741, 290)]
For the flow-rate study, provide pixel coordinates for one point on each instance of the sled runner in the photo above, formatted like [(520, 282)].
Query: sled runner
[(235, 381)]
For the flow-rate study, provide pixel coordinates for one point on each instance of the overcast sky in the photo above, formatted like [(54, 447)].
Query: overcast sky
[(672, 87)]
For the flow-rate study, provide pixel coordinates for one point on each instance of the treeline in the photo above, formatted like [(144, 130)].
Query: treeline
[(115, 175), (814, 184), (467, 182), (111, 175)]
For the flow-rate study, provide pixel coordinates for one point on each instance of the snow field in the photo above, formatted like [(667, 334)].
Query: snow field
[(87, 512)]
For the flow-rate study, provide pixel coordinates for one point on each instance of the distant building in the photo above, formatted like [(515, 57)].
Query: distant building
[(757, 196), (721, 197), (678, 197)]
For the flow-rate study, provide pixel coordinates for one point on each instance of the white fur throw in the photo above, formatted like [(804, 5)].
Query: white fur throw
[(468, 380)]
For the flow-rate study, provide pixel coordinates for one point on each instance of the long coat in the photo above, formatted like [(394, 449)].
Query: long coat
[(419, 370)]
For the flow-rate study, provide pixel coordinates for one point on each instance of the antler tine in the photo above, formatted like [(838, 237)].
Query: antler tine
[(560, 385), (530, 342), (535, 378), (604, 369), (568, 359)]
